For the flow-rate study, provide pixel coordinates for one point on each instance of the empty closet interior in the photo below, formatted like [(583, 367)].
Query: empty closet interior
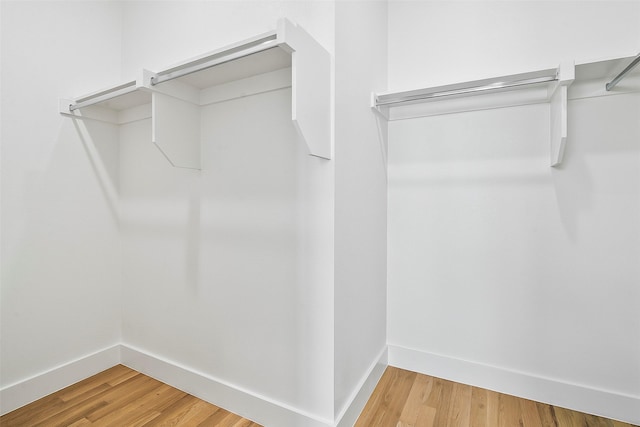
[(265, 204), (222, 197)]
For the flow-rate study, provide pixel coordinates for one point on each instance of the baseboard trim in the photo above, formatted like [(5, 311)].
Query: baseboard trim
[(24, 392), (547, 390), (245, 403), (355, 404)]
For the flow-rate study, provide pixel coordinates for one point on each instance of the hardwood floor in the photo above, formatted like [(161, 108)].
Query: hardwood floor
[(407, 399), (121, 397)]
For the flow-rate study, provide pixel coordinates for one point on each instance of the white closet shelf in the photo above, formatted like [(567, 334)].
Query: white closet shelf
[(554, 86), (479, 89), (116, 98), (592, 78), (172, 97)]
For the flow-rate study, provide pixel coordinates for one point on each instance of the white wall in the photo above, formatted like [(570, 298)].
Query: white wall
[(494, 259), (434, 43), (215, 270), (60, 245), (361, 197), (228, 272), (177, 30), (504, 272)]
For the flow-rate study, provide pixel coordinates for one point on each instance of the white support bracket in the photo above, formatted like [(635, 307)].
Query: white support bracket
[(311, 88), (381, 114), (175, 130), (175, 121), (172, 97), (558, 112), (381, 111)]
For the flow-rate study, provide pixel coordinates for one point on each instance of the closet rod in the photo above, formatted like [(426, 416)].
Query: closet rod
[(269, 42), (623, 73), (104, 95), (450, 90)]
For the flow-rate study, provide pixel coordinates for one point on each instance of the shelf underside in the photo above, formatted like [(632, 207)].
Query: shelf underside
[(127, 101), (592, 77), (267, 61), (258, 63), (604, 69)]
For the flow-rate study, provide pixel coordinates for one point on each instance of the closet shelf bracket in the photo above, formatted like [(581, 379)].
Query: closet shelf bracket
[(556, 86), (542, 86), (558, 112), (172, 98)]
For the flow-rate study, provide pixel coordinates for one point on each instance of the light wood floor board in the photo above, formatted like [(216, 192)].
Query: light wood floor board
[(407, 399), (121, 397)]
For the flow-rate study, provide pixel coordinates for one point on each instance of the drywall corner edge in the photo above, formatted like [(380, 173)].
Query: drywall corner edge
[(349, 415)]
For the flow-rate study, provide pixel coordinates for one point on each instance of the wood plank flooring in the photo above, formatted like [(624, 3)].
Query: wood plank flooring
[(407, 399), (120, 397)]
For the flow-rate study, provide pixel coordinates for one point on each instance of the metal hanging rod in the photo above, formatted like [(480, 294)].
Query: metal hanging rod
[(105, 95), (269, 42), (623, 73), (478, 86)]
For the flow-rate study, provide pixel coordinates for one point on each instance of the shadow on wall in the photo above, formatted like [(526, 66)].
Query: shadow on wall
[(224, 253), (573, 185), (192, 254), (475, 210), (600, 158), (99, 140), (61, 255)]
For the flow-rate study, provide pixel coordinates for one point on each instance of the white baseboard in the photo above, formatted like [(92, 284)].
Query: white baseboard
[(271, 413), (245, 403), (547, 390), (350, 413), (249, 405), (19, 394)]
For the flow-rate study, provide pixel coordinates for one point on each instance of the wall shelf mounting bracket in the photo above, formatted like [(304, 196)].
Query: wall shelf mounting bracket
[(558, 112), (172, 97)]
